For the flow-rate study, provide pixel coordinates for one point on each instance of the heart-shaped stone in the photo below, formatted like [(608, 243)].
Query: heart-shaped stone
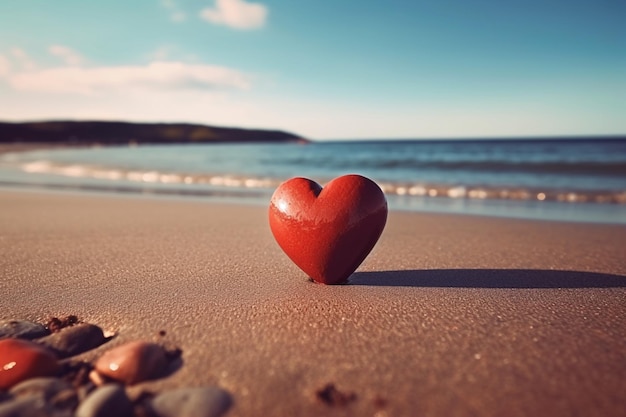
[(328, 231)]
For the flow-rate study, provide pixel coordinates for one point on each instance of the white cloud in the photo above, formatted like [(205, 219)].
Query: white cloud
[(68, 55), (162, 53), (23, 59), (171, 52), (5, 66), (237, 14), (176, 14), (156, 76)]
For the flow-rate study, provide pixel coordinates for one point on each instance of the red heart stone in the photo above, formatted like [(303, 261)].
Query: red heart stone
[(328, 231)]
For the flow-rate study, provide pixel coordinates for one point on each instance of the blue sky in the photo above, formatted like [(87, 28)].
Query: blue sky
[(323, 69)]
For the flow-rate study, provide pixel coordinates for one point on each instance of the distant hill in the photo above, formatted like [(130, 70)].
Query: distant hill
[(93, 132)]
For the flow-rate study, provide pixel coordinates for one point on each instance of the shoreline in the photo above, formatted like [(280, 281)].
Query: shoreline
[(399, 195), (449, 315), (552, 211)]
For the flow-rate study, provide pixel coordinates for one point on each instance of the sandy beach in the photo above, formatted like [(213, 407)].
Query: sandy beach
[(448, 316)]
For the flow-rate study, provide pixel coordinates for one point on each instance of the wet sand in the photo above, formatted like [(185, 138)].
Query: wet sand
[(449, 315)]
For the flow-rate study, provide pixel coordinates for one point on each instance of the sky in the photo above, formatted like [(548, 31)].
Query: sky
[(340, 69)]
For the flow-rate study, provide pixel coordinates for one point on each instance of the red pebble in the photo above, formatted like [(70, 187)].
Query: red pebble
[(133, 362), (328, 232), (21, 360)]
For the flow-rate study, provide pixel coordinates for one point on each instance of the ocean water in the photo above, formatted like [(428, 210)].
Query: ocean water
[(564, 179)]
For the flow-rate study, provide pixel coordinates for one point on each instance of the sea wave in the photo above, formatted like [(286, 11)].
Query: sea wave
[(587, 168), (417, 189)]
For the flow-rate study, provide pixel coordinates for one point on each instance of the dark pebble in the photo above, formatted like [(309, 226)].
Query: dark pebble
[(55, 392), (44, 387), (192, 402), (21, 329), (31, 406), (74, 340), (21, 407), (333, 397), (55, 324), (107, 400)]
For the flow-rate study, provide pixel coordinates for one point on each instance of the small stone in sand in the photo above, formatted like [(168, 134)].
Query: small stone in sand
[(21, 329), (55, 324), (333, 397), (55, 392), (4, 396), (73, 340), (30, 406), (76, 373), (133, 362), (192, 402), (107, 400), (21, 360), (45, 387)]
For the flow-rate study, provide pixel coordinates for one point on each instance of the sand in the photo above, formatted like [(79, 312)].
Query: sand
[(449, 315)]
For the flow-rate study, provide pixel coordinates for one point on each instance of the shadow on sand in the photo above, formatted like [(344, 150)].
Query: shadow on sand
[(488, 278)]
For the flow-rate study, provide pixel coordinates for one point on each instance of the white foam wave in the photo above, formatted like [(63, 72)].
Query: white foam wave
[(402, 190)]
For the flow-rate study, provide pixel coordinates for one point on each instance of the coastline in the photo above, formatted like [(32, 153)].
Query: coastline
[(96, 170), (449, 315)]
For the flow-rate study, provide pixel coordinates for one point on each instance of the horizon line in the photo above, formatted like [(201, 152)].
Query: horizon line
[(487, 137)]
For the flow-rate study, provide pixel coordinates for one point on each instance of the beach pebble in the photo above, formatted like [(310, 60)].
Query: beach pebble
[(73, 340), (44, 387), (107, 400), (21, 360), (32, 406), (21, 329), (23, 407), (133, 362), (57, 394), (192, 402)]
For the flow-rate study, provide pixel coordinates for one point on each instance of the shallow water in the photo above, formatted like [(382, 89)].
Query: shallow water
[(576, 179)]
